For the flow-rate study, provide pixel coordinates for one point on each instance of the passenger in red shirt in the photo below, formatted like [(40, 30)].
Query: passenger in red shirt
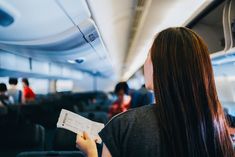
[(123, 101), (28, 94)]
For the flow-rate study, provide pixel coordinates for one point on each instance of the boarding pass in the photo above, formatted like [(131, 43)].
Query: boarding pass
[(78, 124)]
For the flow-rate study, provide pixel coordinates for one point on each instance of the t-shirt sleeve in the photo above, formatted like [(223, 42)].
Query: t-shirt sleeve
[(111, 136)]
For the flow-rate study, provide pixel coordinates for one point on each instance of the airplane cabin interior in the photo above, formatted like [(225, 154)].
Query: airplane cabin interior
[(74, 52)]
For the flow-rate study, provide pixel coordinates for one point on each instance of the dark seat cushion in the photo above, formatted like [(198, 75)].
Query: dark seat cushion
[(64, 140), (22, 137), (52, 154)]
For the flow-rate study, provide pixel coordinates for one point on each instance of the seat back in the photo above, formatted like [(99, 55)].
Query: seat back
[(52, 154), (64, 140), (15, 139), (22, 137)]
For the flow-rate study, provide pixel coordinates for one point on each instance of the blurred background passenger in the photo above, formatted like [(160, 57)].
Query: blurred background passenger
[(5, 99), (13, 91), (123, 101), (28, 94), (141, 97)]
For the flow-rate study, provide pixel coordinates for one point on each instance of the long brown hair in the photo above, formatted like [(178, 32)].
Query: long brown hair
[(191, 118)]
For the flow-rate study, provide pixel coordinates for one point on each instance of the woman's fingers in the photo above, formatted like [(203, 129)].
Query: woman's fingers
[(80, 139), (86, 144)]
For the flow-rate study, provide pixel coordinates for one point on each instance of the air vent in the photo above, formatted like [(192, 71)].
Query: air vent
[(139, 8), (79, 61), (140, 3), (5, 18)]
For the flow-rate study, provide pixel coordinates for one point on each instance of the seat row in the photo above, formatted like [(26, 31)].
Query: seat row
[(32, 137)]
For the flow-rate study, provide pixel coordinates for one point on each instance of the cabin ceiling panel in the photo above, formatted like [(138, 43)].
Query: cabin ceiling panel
[(161, 15), (57, 31), (113, 19), (33, 20)]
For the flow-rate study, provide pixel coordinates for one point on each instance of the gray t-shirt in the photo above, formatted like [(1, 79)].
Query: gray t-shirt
[(134, 133)]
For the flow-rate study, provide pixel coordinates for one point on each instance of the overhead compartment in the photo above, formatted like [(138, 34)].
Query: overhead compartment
[(18, 66), (33, 20), (58, 31), (76, 10), (12, 62)]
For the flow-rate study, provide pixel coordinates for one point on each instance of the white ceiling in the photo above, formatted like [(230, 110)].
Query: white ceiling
[(161, 15), (114, 18)]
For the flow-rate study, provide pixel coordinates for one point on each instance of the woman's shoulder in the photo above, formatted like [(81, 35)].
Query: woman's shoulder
[(130, 127), (136, 114)]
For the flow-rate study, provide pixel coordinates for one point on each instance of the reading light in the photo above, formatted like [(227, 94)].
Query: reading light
[(78, 61), (71, 61)]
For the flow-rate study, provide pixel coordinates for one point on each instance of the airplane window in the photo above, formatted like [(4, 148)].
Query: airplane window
[(225, 86), (4, 80), (39, 86), (210, 28), (232, 20), (64, 85)]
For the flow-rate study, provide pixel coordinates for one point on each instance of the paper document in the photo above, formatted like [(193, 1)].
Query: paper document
[(77, 124)]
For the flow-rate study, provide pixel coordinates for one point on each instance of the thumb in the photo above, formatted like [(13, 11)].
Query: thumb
[(85, 135)]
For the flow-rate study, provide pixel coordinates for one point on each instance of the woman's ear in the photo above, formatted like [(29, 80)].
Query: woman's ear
[(148, 72)]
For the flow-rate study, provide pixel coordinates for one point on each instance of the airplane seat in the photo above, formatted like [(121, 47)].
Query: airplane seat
[(85, 101), (3, 111), (9, 115), (13, 116), (64, 140), (3, 114), (52, 153), (18, 138), (99, 116), (43, 114), (30, 111), (49, 137)]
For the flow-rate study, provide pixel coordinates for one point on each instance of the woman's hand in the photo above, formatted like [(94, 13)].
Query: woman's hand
[(86, 145)]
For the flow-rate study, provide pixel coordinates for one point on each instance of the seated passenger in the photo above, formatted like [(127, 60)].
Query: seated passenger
[(187, 119), (28, 94), (5, 99), (13, 91), (123, 101), (142, 97)]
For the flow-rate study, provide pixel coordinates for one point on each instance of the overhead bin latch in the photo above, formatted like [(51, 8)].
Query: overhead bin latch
[(91, 36)]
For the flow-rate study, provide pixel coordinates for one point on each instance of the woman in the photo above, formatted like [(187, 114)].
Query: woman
[(123, 101), (28, 94), (187, 119)]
